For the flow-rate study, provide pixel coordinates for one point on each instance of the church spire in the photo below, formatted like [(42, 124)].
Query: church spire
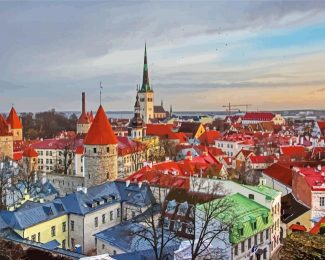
[(145, 81)]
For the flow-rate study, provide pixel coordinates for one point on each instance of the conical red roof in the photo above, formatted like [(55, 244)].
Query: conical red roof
[(30, 152), (13, 119), (4, 127), (100, 132)]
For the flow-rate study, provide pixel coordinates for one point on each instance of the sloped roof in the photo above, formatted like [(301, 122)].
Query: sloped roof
[(293, 151), (189, 127), (258, 116), (208, 137), (84, 119), (30, 152), (297, 227), (14, 120), (280, 172), (159, 109), (291, 208), (4, 127), (100, 132), (318, 225), (32, 214), (260, 159)]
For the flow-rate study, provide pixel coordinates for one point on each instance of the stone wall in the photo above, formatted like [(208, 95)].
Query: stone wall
[(100, 164), (66, 183), (6, 146)]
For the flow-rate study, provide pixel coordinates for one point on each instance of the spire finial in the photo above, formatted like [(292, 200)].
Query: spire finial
[(100, 93)]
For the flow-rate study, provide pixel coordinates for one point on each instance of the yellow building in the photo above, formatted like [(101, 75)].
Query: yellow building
[(40, 222)]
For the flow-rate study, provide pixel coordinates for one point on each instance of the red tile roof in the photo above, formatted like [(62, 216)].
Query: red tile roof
[(297, 227), (280, 172), (30, 152), (321, 125), (57, 144), (293, 151), (314, 177), (84, 119), (80, 149), (260, 159), (318, 225), (17, 156), (258, 116), (100, 132), (208, 137), (4, 127), (14, 120), (161, 130), (127, 146)]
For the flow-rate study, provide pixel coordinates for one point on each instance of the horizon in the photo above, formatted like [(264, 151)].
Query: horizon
[(268, 54)]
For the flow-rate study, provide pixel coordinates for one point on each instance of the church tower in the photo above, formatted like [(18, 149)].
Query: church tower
[(136, 128), (100, 157), (15, 125), (146, 93)]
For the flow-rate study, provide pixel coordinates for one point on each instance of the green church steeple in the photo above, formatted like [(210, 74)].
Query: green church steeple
[(145, 81)]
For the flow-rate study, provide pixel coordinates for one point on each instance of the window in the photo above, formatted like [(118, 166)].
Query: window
[(133, 214), (241, 231), (118, 213), (72, 243), (96, 222), (95, 150), (107, 149), (114, 252), (63, 243), (103, 218), (72, 225), (53, 231), (39, 237), (251, 196), (242, 246), (255, 240), (33, 237), (103, 246), (254, 225), (267, 234), (111, 215), (64, 226), (322, 201), (249, 243), (261, 237), (236, 249)]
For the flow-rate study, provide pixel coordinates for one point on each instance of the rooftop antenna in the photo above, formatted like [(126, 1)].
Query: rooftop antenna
[(100, 93)]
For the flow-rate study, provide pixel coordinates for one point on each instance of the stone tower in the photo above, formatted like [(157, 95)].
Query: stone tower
[(146, 93), (100, 158), (84, 121), (137, 128), (15, 125), (30, 164)]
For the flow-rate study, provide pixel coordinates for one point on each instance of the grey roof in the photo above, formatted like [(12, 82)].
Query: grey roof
[(3, 224), (122, 236), (109, 193), (32, 214), (159, 109), (291, 208)]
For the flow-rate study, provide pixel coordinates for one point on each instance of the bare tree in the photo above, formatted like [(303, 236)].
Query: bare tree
[(212, 220), (153, 232), (137, 155), (65, 157)]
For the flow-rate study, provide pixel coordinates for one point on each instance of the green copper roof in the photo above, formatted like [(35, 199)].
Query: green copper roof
[(245, 213), (145, 81), (265, 190)]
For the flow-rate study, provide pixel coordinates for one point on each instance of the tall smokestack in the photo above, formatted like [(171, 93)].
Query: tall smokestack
[(83, 103)]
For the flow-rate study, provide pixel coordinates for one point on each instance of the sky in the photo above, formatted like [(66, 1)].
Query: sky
[(201, 54)]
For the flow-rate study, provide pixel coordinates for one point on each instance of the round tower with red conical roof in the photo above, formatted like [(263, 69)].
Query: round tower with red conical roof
[(15, 125), (30, 160), (100, 151)]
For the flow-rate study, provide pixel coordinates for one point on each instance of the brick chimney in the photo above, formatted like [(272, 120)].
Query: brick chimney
[(83, 103)]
